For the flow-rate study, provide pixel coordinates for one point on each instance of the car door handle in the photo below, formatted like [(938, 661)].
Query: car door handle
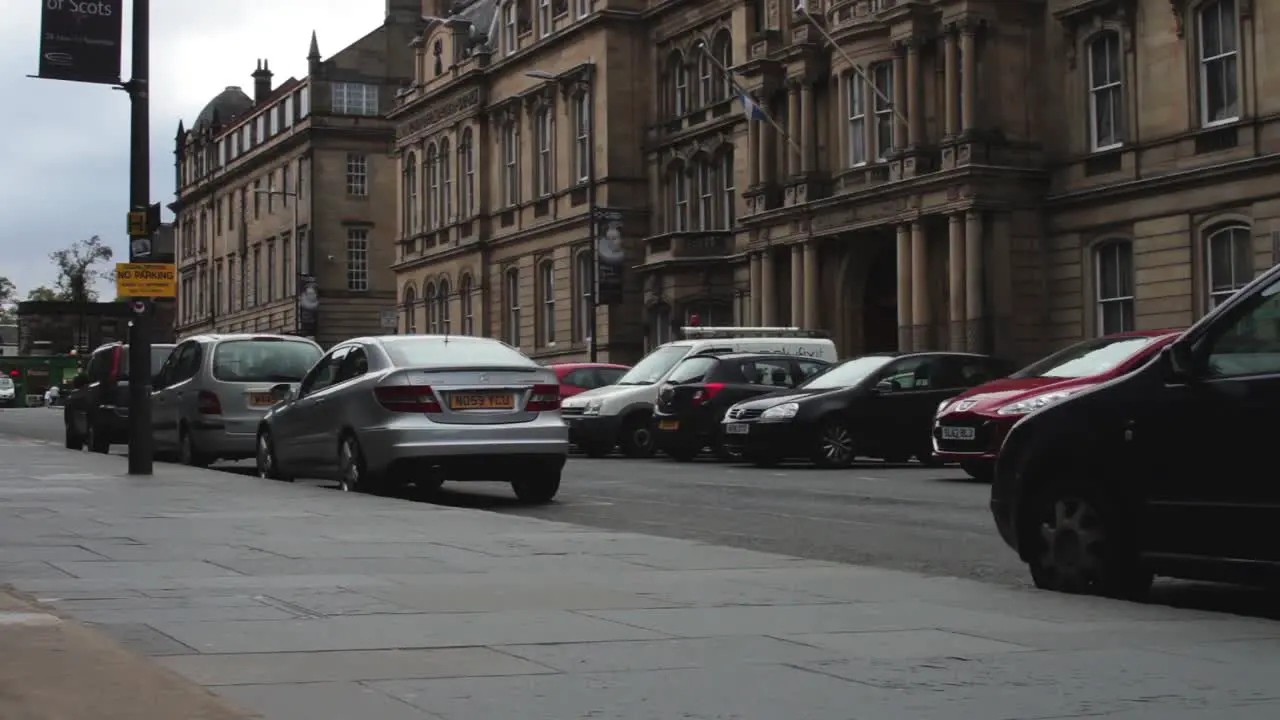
[(318, 401)]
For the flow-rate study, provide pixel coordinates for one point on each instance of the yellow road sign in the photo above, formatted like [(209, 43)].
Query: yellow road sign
[(138, 224), (154, 280)]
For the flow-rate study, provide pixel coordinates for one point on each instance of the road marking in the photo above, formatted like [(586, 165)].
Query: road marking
[(20, 618)]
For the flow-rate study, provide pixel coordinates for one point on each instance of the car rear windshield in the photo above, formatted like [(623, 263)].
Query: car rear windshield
[(263, 360), (453, 352), (654, 365), (693, 370), (1092, 357)]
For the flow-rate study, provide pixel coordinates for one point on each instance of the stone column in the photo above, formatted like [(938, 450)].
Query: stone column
[(957, 302), (793, 127), (753, 152), (975, 313), (914, 124), (952, 84), (904, 288), (757, 291), (808, 130), (811, 285), (797, 285), (968, 76), (768, 287), (899, 98), (921, 317), (768, 139)]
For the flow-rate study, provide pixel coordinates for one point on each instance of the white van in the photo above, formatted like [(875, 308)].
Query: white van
[(620, 414)]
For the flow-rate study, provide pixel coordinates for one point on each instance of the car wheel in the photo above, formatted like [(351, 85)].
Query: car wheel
[(97, 440), (73, 440), (637, 439), (979, 470), (1081, 544), (835, 446), (538, 489), (354, 475), (188, 453), (267, 460)]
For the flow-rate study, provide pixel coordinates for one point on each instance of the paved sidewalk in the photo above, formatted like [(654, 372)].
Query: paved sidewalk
[(301, 602)]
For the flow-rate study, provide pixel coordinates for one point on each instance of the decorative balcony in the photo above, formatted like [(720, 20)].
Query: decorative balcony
[(688, 247)]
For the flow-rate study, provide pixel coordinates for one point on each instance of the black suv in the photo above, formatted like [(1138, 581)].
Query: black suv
[(96, 412), (695, 397)]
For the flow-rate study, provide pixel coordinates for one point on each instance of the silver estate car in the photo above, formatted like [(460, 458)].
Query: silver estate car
[(380, 412), (213, 390)]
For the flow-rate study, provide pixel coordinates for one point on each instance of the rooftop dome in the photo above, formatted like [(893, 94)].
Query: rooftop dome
[(227, 105)]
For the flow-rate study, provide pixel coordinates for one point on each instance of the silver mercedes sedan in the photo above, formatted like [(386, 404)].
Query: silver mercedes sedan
[(376, 413)]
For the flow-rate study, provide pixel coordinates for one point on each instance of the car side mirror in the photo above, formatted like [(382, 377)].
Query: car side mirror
[(1177, 362), (80, 381), (282, 392)]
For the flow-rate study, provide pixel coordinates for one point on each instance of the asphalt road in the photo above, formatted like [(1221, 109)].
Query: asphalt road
[(901, 517)]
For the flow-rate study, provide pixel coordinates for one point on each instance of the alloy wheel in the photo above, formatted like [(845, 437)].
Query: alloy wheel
[(266, 459), (1074, 543), (836, 447), (349, 463)]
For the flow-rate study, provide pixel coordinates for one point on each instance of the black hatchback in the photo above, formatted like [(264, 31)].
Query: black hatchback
[(690, 406), (879, 406)]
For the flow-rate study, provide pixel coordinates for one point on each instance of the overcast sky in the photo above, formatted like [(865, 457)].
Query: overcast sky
[(66, 145)]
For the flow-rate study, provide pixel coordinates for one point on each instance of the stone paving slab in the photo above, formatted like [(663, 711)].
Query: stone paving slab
[(295, 601)]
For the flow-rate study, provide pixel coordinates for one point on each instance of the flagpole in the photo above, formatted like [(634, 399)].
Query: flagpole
[(802, 9), (746, 96)]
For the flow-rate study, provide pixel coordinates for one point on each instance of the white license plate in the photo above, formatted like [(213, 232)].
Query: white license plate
[(958, 433), (737, 429)]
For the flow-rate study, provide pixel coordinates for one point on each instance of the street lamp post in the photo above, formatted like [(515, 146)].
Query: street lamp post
[(593, 209), (297, 248)]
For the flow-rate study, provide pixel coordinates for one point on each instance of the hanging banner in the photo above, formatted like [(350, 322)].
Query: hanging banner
[(308, 306), (611, 259), (80, 40)]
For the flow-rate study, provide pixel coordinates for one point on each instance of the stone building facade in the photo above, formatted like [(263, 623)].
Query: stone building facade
[(286, 200), (978, 175)]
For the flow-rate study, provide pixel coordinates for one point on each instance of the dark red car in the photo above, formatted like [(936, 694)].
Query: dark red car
[(580, 377), (970, 428)]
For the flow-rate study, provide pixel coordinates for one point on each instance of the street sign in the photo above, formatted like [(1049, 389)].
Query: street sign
[(155, 280), (138, 224), (390, 319)]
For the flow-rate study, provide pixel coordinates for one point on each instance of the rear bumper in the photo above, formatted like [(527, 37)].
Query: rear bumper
[(212, 438), (683, 429), (545, 441)]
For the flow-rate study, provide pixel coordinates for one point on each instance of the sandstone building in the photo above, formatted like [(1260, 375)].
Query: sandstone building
[(286, 200), (999, 175)]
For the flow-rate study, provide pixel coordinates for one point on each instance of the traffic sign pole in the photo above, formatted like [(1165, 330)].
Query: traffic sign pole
[(141, 446)]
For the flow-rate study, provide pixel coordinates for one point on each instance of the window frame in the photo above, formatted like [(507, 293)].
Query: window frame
[(510, 165), (358, 279), (357, 177), (706, 183), (882, 109), (466, 305), (547, 302), (679, 84), (1233, 233), (410, 312), (511, 282), (1124, 280), (856, 118), (544, 139), (729, 191), (585, 300), (510, 31), (1231, 57), (446, 182), (444, 304), (582, 138), (680, 194), (411, 215), (1113, 87), (432, 165), (429, 299), (466, 202), (544, 18)]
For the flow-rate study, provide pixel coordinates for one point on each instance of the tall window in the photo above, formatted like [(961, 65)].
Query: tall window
[(680, 200), (1114, 267), (1219, 63), (729, 201), (882, 76), (1105, 91), (581, 139), (433, 188), (271, 271), (855, 91), (431, 300), (547, 316), (723, 51), (286, 263), (584, 8), (357, 259), (1229, 251), (354, 99), (544, 18), (465, 306), (707, 80), (509, 27), (510, 165), (445, 303), (219, 293), (584, 271), (512, 295), (706, 196), (410, 312), (543, 129), (357, 176), (679, 79), (255, 284), (446, 182), (467, 194), (410, 194)]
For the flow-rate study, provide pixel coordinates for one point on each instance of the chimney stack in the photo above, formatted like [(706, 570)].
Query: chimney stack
[(261, 82)]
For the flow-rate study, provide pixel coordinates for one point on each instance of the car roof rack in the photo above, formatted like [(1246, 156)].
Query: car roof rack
[(715, 333)]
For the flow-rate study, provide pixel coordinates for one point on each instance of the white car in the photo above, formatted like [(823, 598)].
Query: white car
[(8, 395)]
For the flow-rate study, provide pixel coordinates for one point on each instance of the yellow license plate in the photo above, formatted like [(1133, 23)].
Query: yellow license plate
[(482, 401), (262, 399), (669, 425)]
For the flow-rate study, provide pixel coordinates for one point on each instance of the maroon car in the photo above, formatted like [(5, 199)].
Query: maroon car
[(970, 427)]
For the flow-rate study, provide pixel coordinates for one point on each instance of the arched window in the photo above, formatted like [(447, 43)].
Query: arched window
[(1229, 261), (729, 191), (1218, 33), (1106, 91), (678, 76), (433, 188), (446, 182), (511, 294), (445, 302), (584, 271), (509, 33), (1113, 286), (410, 312), (547, 309), (722, 49), (707, 191), (678, 189), (411, 194), (708, 77), (429, 299), (510, 165), (465, 305), (467, 194)]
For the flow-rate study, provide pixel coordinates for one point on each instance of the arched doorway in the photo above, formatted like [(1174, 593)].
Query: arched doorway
[(880, 302)]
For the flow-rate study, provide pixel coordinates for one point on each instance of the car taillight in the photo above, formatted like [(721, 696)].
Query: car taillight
[(707, 392), (408, 398), (544, 398), (208, 403), (117, 357)]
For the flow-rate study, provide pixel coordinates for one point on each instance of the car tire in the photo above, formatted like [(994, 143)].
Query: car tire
[(73, 440), (188, 453), (834, 448), (1080, 544), (980, 470), (538, 489), (637, 438), (97, 440), (353, 471), (266, 459)]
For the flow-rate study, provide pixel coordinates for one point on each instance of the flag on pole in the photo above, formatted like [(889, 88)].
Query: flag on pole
[(802, 7), (751, 109)]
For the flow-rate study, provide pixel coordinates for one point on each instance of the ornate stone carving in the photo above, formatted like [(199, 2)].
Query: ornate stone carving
[(439, 112)]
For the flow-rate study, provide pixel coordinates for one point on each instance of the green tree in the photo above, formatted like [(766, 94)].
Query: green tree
[(7, 291), (43, 294), (77, 269)]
